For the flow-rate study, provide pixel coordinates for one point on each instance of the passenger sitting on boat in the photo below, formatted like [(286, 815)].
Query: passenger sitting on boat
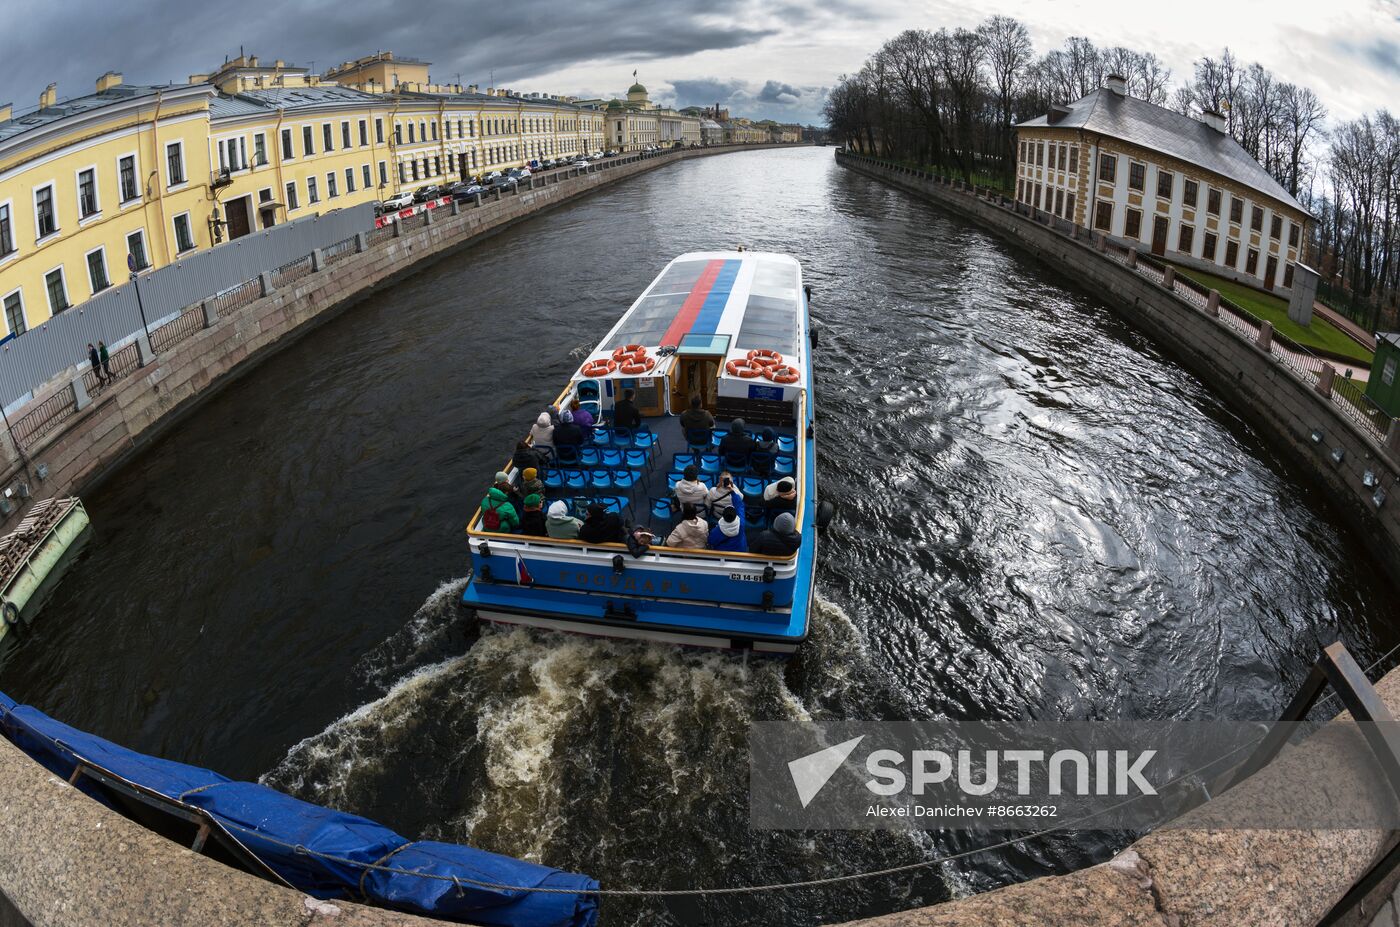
[(498, 509), (737, 445), (526, 457), (582, 417), (696, 418), (625, 414), (728, 532), (542, 432), (781, 495), (601, 526), (503, 483), (567, 433), (722, 495), (532, 518), (767, 444), (692, 532), (691, 490), (530, 482), (782, 540), (560, 524)]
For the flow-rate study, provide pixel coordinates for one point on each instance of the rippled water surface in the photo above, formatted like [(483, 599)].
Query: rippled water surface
[(1042, 516)]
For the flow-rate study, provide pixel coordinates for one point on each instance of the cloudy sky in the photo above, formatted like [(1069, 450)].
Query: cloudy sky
[(763, 59)]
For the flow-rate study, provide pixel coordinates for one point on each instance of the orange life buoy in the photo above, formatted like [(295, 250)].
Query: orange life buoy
[(600, 367), (635, 366), (765, 358), (780, 374), (743, 367), (637, 350)]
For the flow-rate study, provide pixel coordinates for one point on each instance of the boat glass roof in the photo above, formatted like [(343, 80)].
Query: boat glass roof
[(770, 316)]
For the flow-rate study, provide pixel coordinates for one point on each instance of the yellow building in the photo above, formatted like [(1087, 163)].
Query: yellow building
[(87, 181), (637, 123)]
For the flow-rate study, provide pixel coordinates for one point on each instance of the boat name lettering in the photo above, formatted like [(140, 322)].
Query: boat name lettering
[(624, 583)]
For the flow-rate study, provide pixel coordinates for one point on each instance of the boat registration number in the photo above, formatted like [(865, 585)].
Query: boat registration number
[(746, 577)]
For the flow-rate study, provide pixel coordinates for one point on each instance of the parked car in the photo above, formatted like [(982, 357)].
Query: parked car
[(491, 178), (465, 191), (397, 201), (502, 182), (431, 192), (610, 153), (522, 173), (581, 162)]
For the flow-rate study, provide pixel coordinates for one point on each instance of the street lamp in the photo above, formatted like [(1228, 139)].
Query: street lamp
[(141, 307)]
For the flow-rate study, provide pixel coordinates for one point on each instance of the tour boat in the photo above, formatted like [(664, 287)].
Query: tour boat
[(732, 328)]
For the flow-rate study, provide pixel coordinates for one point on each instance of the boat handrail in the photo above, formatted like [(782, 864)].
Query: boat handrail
[(618, 547)]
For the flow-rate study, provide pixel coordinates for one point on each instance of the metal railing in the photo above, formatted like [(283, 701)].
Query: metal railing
[(236, 298), (177, 329), (338, 251), (45, 417), (292, 271)]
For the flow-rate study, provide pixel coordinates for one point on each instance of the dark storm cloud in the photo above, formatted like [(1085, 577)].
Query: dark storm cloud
[(705, 91), (775, 92), (161, 40)]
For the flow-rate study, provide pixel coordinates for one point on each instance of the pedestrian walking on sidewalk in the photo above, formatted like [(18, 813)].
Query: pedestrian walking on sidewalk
[(96, 364), (106, 361)]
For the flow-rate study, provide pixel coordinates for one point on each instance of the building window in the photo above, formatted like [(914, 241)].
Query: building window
[(1288, 276), (437, 163), (1191, 194), (1132, 223), (1061, 156), (136, 247), (411, 137), (383, 174), (1293, 235), (1021, 188), (1040, 153), (45, 218), (1108, 169), (434, 130), (1074, 159), (471, 128), (1208, 244), (1276, 227), (260, 149), (1213, 202), (14, 314), (1103, 215), (126, 178), (332, 188), (308, 143), (1059, 202), (414, 165), (312, 194), (1185, 238), (1165, 179), (184, 235), (345, 133), (1137, 175), (459, 129), (1232, 254), (1251, 261), (1069, 206), (1256, 219), (379, 131), (287, 153), (398, 134), (292, 196), (367, 176), (403, 172), (349, 180), (175, 163), (1236, 210), (97, 271), (7, 232), (364, 133), (87, 193), (57, 290), (327, 143)]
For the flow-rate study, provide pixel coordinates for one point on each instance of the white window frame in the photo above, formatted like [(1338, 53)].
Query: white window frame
[(289, 153), (145, 248), (328, 135), (367, 176), (308, 129), (349, 180), (383, 174), (135, 157), (17, 291), (347, 140), (364, 133), (332, 186), (313, 195), (106, 270), (175, 232), (289, 193), (9, 204), (170, 183), (266, 160), (63, 276), (53, 200)]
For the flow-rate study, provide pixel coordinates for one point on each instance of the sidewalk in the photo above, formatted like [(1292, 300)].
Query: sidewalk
[(1347, 326)]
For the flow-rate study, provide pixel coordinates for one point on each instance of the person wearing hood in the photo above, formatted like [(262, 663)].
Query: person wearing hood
[(526, 457), (582, 418), (530, 482), (560, 524), (532, 519), (781, 495), (690, 490), (542, 432), (781, 540), (737, 445), (601, 526), (728, 532), (567, 433), (498, 510), (692, 532)]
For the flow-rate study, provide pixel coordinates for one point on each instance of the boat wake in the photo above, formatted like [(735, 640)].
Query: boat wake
[(625, 760)]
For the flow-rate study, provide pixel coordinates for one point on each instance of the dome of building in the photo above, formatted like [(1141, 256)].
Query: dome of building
[(636, 88)]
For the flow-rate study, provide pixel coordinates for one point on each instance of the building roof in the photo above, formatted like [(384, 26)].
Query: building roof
[(84, 104), (225, 106), (636, 88), (1169, 132), (293, 98)]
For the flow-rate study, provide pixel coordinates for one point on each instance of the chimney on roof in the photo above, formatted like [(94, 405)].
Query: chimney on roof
[(1117, 83), (7, 112), (279, 63), (252, 61), (199, 78), (49, 97), (1214, 119), (1057, 113), (108, 81)]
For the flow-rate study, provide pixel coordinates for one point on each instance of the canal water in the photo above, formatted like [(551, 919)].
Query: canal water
[(1041, 516)]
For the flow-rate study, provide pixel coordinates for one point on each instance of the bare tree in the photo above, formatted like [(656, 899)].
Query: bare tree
[(1009, 53)]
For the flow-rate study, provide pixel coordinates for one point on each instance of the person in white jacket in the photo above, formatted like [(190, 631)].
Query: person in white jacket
[(542, 432), (691, 489), (693, 531)]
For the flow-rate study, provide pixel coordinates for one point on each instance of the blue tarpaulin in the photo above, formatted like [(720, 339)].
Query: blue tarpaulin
[(273, 826)]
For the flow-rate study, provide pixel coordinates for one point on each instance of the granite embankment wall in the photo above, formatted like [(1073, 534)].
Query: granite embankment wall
[(1192, 872), (125, 417), (1287, 394)]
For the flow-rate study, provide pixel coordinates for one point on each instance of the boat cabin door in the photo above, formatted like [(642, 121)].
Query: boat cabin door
[(698, 360)]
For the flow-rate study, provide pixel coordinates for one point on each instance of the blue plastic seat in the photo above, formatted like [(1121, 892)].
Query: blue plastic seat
[(553, 478), (602, 435), (755, 516), (616, 504), (709, 463), (787, 444), (674, 477), (784, 465), (600, 479), (575, 479), (717, 436), (698, 440), (622, 437), (644, 438), (637, 459), (588, 456), (681, 461), (761, 462), (578, 506), (662, 509), (610, 457), (751, 487), (737, 462), (566, 455), (624, 479)]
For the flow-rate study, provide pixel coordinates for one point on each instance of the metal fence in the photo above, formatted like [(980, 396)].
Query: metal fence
[(114, 316)]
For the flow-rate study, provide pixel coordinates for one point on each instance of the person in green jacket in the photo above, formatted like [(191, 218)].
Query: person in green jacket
[(498, 512)]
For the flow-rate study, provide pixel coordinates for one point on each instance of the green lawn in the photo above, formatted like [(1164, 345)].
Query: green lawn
[(1320, 334)]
